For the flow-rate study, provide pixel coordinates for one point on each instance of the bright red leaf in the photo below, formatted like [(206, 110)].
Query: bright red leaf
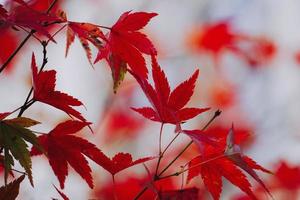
[(212, 172), (44, 91), (122, 161), (225, 161), (168, 107), (125, 45), (63, 148)]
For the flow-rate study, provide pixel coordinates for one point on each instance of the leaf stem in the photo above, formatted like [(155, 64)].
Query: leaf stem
[(217, 113)]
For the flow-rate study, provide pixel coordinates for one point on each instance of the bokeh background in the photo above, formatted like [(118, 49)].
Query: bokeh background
[(254, 79)]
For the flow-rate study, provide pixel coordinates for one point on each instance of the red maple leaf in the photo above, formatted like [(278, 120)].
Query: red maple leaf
[(44, 91), (125, 45), (63, 148), (167, 105), (86, 32), (225, 161), (212, 172), (122, 161), (61, 194)]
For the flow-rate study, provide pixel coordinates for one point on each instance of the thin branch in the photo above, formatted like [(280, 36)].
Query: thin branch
[(159, 147), (158, 177), (59, 30), (217, 113)]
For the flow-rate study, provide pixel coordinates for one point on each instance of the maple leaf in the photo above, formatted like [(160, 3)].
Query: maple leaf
[(86, 32), (234, 153), (13, 137), (212, 169), (167, 105), (24, 16), (225, 161), (11, 191), (44, 91), (62, 147), (200, 138), (122, 161), (182, 194), (125, 45)]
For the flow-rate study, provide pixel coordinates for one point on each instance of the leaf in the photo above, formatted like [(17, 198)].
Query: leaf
[(225, 161), (167, 105), (61, 193), (200, 138), (44, 91), (125, 45), (234, 153), (13, 138), (183, 194), (86, 32), (63, 148), (11, 191), (22, 121), (123, 161), (212, 169)]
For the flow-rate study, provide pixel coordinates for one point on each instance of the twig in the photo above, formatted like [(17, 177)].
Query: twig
[(158, 177)]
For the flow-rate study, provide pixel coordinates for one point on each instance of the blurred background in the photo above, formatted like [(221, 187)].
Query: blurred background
[(248, 53)]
